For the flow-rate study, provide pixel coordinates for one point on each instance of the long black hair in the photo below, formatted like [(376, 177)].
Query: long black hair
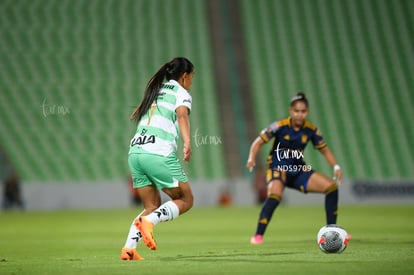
[(173, 69)]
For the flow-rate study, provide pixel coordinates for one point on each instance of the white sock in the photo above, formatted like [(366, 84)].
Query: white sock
[(166, 212), (134, 236)]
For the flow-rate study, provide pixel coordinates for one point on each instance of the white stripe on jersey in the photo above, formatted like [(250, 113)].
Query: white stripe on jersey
[(161, 122), (166, 105), (166, 125)]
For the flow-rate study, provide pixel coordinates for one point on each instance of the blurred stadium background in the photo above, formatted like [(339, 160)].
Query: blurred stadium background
[(71, 72)]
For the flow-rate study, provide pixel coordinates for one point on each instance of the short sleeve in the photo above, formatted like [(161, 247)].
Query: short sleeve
[(183, 99), (317, 140), (269, 132)]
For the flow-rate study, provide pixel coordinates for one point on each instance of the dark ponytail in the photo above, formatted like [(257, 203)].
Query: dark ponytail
[(299, 97), (170, 70)]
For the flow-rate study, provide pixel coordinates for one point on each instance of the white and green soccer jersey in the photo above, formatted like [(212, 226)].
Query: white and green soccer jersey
[(157, 131)]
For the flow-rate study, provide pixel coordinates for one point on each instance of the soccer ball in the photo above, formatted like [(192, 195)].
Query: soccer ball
[(332, 239)]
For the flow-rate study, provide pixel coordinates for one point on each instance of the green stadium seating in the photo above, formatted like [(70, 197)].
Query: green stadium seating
[(354, 60), (72, 71), (93, 59)]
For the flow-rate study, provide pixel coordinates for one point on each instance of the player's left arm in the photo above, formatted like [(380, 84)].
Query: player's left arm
[(182, 109), (320, 144), (184, 125), (330, 158)]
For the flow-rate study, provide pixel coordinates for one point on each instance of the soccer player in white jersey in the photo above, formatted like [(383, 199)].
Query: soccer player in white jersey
[(162, 116)]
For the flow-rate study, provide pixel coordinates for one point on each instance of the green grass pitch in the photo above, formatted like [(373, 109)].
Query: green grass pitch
[(208, 241)]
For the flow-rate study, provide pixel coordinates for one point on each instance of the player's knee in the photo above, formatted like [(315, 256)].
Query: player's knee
[(330, 189)]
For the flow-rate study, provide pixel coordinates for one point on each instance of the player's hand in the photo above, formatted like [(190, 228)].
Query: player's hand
[(187, 151), (250, 164), (337, 176)]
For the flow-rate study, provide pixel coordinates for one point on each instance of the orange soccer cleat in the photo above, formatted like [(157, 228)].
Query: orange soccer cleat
[(130, 254), (146, 227)]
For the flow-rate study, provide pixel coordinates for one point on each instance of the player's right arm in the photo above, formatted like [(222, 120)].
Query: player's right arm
[(254, 149), (264, 137)]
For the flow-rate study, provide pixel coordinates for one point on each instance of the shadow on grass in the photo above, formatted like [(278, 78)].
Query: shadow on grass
[(232, 257)]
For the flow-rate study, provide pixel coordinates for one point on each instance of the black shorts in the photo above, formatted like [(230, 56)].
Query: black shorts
[(293, 179)]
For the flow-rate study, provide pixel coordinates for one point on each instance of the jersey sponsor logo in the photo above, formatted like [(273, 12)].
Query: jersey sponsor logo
[(187, 100), (142, 138), (168, 86)]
